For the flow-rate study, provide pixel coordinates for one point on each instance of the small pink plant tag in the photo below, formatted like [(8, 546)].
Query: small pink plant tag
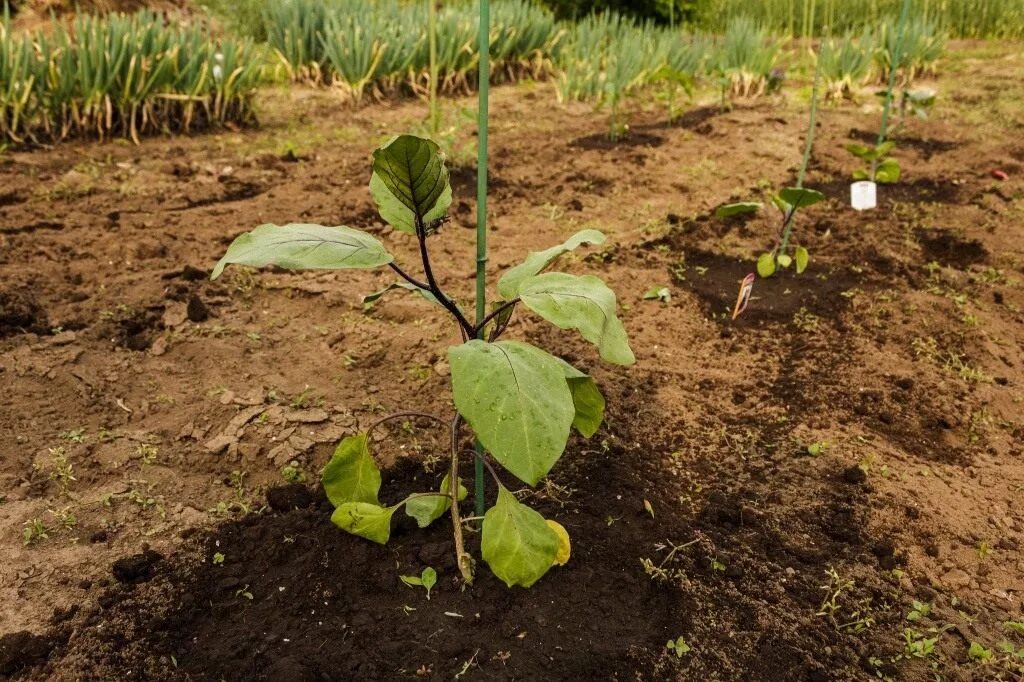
[(746, 287)]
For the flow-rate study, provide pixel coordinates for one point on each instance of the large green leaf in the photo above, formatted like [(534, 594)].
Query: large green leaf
[(800, 197), (536, 261), (802, 258), (584, 303), (516, 398), (888, 172), (742, 208), (586, 399), (410, 182), (516, 542), (370, 521), (351, 475), (430, 508), (766, 264), (304, 247)]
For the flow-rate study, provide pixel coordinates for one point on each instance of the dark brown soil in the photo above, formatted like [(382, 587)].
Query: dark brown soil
[(851, 445)]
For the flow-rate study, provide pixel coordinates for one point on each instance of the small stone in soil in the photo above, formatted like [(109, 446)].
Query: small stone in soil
[(137, 568), (197, 310)]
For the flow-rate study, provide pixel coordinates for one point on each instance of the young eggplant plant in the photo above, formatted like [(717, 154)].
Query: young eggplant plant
[(881, 168), (788, 200), (519, 401)]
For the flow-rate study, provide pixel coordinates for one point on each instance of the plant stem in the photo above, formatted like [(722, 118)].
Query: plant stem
[(893, 68), (404, 275), (494, 474), (463, 560), (493, 314), (787, 228), (433, 287), (484, 47)]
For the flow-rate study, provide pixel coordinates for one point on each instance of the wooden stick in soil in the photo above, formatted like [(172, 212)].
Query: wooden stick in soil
[(462, 559)]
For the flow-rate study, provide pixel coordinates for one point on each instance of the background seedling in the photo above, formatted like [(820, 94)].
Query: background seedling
[(427, 579)]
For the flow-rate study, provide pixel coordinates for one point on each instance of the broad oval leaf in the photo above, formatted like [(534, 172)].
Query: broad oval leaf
[(430, 508), (516, 399), (860, 151), (802, 258), (861, 174), (370, 521), (741, 208), (888, 172), (784, 260), (586, 399), (883, 149), (766, 264), (351, 475), (583, 303), (304, 247), (536, 261), (516, 541), (410, 182), (564, 550), (800, 197)]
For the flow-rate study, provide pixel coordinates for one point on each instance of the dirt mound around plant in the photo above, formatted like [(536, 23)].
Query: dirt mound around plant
[(287, 596)]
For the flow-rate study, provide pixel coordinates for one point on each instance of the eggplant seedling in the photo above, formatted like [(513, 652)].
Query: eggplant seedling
[(519, 401), (879, 167)]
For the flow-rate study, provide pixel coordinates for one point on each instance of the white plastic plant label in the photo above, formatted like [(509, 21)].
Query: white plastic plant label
[(863, 195)]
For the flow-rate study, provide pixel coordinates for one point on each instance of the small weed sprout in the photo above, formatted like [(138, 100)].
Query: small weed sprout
[(35, 530), (520, 401), (62, 470)]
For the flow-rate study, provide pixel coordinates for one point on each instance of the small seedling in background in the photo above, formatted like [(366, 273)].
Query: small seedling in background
[(427, 579), (658, 294), (979, 653), (63, 471), (983, 550), (74, 435), (35, 530), (880, 168), (920, 610), (218, 559), (292, 473), (678, 646), (817, 448), (147, 453), (1015, 626), (649, 508)]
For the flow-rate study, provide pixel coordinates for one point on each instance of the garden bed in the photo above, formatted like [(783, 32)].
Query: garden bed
[(176, 401)]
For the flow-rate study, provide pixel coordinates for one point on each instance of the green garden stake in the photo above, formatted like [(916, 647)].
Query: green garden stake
[(484, 45), (435, 123)]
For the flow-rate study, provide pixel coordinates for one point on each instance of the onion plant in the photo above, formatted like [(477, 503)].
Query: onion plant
[(381, 47), (806, 18), (744, 59), (916, 54), (846, 65), (122, 75)]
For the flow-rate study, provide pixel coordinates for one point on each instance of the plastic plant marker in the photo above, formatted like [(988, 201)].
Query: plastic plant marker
[(863, 195)]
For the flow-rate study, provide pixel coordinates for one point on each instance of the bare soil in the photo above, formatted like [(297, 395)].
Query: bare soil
[(146, 412)]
